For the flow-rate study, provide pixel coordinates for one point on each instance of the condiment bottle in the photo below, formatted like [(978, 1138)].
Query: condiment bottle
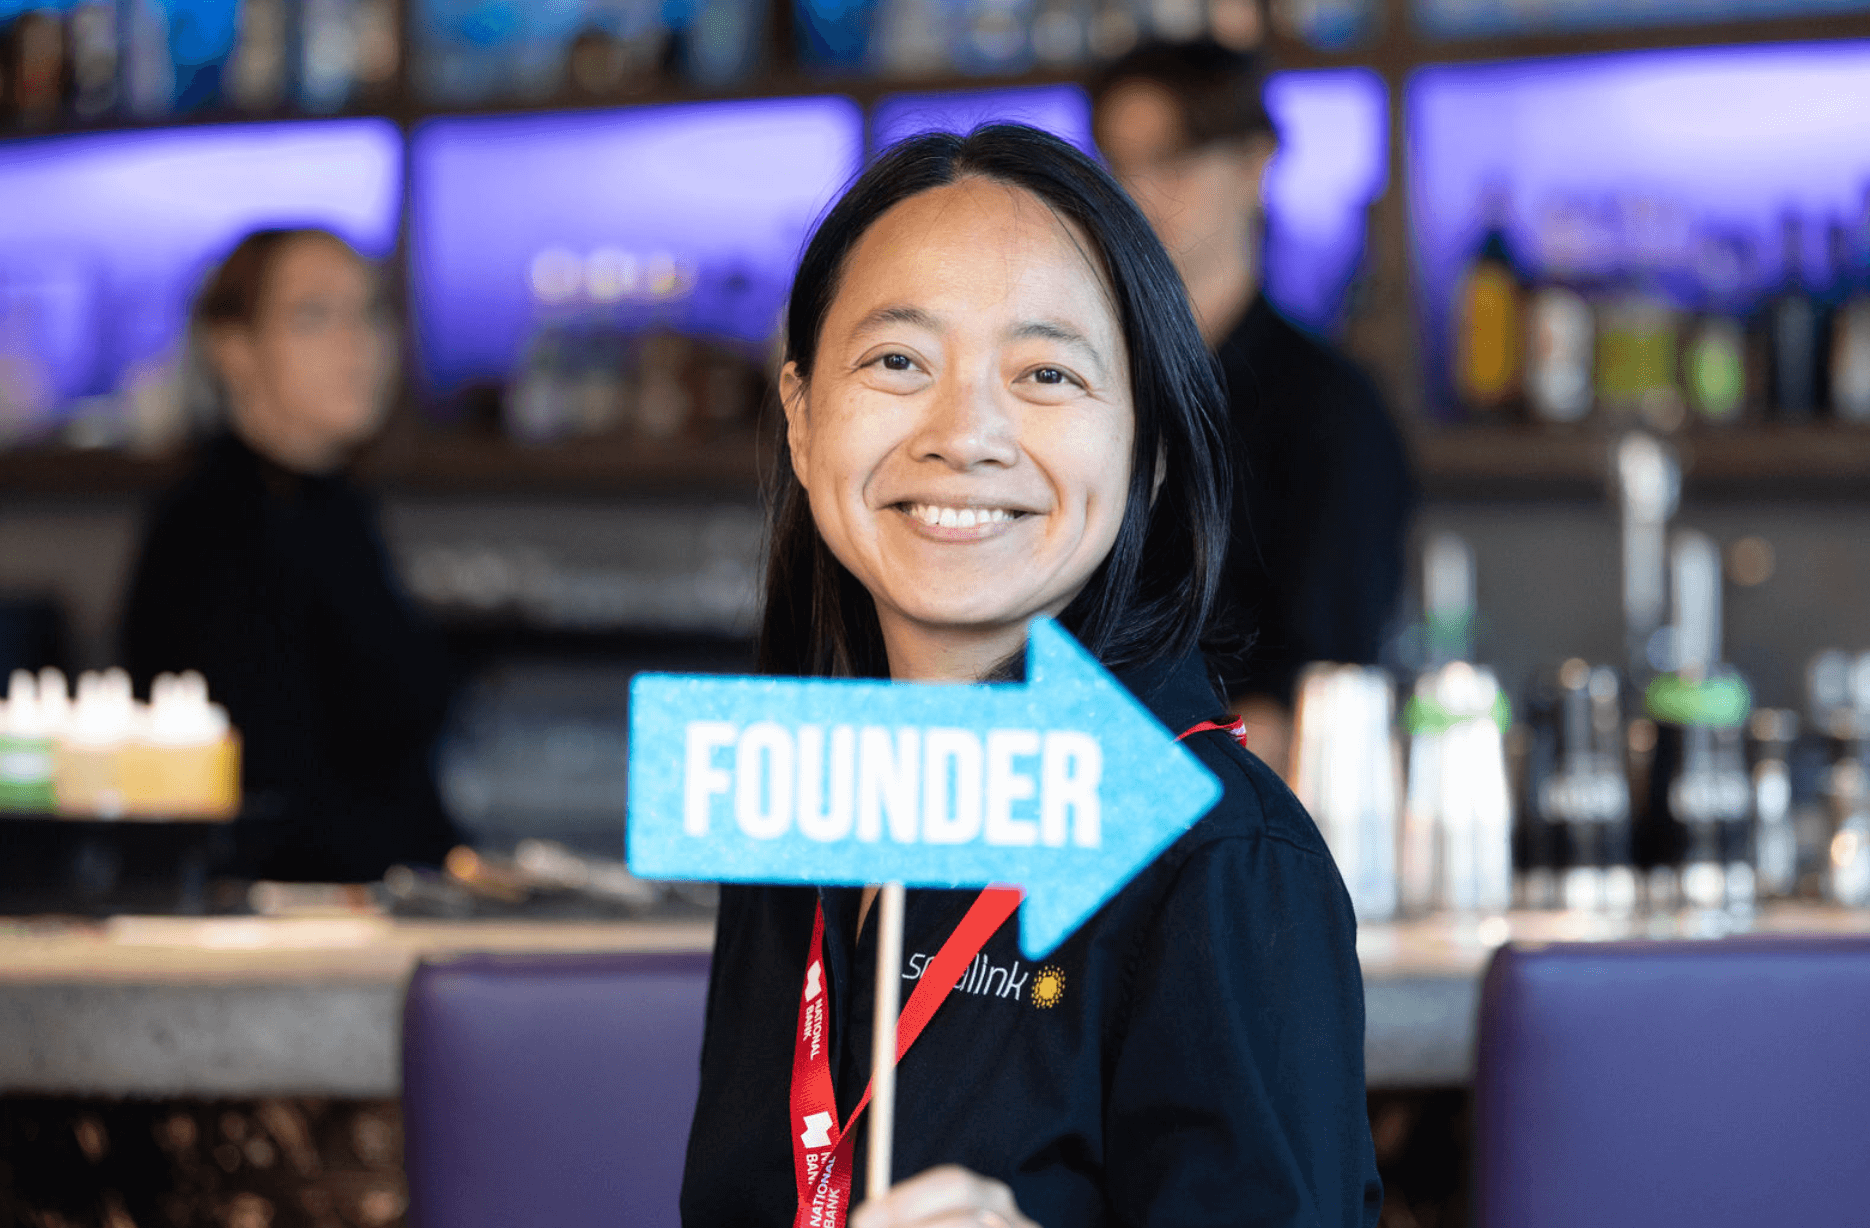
[(88, 764), (186, 761), (26, 746)]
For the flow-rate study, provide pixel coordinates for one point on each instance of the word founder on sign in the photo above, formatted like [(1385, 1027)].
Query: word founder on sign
[(919, 786), (850, 781)]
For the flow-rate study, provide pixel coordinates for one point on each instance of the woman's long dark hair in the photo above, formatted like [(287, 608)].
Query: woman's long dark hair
[(1153, 597)]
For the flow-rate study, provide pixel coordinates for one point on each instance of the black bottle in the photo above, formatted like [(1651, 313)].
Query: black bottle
[(1792, 320)]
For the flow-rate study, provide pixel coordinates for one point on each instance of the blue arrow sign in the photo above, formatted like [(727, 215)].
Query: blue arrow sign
[(1065, 784)]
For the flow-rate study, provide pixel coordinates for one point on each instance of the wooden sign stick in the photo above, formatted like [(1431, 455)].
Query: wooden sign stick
[(883, 1036)]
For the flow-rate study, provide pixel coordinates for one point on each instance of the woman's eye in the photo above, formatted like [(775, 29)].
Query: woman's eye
[(897, 362), (1053, 377)]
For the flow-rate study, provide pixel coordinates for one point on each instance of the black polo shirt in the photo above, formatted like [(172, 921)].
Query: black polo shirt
[(1193, 1056), (1323, 501)]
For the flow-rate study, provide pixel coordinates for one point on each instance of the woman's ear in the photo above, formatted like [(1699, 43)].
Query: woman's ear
[(798, 425)]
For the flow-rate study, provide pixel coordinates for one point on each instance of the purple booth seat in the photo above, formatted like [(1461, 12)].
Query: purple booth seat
[(551, 1089), (1665, 1084)]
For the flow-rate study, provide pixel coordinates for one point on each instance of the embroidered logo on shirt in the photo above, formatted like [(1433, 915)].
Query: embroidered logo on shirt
[(983, 977), (1048, 986)]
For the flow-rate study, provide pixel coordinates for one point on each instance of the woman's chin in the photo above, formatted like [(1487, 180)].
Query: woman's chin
[(968, 617)]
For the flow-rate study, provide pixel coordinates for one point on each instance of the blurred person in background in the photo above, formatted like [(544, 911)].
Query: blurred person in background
[(264, 570), (1324, 499)]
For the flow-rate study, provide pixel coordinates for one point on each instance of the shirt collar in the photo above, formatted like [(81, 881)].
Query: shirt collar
[(1177, 690)]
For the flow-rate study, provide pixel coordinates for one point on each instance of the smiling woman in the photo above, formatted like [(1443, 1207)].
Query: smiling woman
[(998, 407), (966, 457), (983, 329)]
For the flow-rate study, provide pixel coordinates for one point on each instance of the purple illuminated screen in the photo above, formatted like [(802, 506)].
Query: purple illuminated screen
[(1062, 110), (1333, 160), (690, 217), (107, 237), (1723, 137)]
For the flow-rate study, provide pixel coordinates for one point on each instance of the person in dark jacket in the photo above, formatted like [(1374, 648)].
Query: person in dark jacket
[(1324, 495), (264, 570), (998, 407)]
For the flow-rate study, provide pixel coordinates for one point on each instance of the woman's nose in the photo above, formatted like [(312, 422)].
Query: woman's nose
[(967, 425)]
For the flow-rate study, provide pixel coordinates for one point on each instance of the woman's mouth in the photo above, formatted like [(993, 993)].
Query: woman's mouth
[(951, 521)]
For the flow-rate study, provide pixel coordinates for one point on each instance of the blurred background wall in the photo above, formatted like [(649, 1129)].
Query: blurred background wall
[(586, 211)]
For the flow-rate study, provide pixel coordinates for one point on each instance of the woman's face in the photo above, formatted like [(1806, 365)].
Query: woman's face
[(309, 371), (965, 436), (1204, 202)]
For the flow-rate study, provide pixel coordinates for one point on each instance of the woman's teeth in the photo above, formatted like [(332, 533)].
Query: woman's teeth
[(936, 516)]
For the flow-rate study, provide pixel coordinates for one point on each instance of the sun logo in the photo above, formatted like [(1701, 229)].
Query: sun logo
[(1048, 986)]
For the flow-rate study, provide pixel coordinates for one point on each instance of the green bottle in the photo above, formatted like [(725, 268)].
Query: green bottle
[(26, 746), (1714, 350)]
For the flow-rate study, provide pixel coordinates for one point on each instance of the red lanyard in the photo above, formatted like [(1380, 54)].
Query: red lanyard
[(1233, 726), (821, 1150)]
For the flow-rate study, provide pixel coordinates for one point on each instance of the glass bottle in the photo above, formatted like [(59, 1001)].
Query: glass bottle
[(35, 67), (1792, 330), (1775, 842), (1561, 326), (92, 37), (376, 47), (913, 37), (148, 72), (1848, 784), (1489, 328), (1611, 787), (29, 732), (1060, 30), (1637, 377), (1700, 782), (1714, 345), (1850, 332), (328, 54), (257, 72), (1586, 797)]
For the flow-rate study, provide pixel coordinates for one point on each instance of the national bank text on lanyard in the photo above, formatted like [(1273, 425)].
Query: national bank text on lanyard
[(821, 1150)]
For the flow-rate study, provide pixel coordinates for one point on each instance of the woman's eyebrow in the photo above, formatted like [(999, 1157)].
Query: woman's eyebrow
[(900, 313), (1065, 334)]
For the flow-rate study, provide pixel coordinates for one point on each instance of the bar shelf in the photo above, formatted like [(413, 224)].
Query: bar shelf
[(1772, 461)]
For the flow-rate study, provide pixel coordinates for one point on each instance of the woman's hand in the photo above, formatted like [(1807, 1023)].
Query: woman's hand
[(945, 1197)]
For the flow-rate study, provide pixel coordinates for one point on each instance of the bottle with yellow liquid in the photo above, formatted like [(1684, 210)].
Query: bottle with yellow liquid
[(1490, 329), (1638, 374), (185, 759), (87, 768)]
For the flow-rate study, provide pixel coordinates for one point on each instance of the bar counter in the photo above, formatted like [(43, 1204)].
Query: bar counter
[(311, 1006)]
